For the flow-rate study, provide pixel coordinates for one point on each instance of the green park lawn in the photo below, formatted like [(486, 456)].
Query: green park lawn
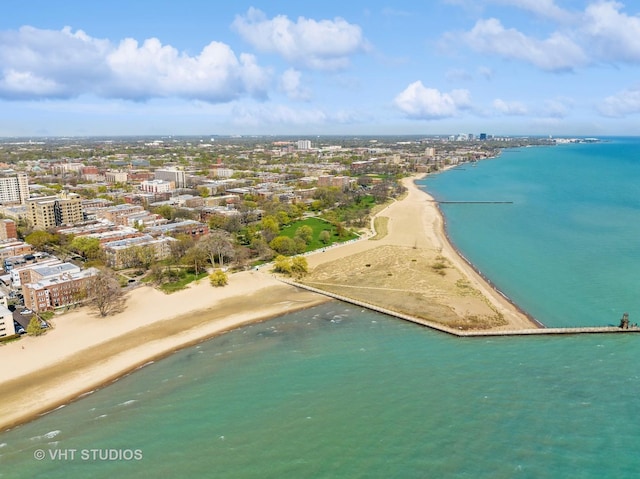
[(317, 225)]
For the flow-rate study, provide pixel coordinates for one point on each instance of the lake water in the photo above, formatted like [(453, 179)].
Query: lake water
[(340, 392)]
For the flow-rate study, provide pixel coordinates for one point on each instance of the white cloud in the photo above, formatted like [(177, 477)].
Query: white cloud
[(61, 64), (515, 108), (623, 103), (291, 85), (556, 53), (420, 102), (543, 8), (322, 45), (612, 35)]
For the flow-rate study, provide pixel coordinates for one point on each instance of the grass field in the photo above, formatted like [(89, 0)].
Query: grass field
[(317, 225)]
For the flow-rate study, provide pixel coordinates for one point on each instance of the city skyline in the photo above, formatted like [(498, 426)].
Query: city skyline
[(507, 67)]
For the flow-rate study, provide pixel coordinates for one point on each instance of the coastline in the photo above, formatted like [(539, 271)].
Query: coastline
[(84, 352), (416, 237), (477, 270)]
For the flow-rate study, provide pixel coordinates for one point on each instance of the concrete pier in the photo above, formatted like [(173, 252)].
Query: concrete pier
[(469, 334)]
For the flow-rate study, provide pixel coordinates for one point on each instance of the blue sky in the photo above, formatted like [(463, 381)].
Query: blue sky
[(545, 67)]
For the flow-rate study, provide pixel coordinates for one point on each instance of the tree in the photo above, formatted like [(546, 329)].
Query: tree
[(270, 228), (145, 255), (105, 293), (299, 266), (180, 247), (88, 247), (305, 233), (218, 246), (282, 264), (34, 328), (325, 236), (40, 239), (195, 258), (218, 278), (283, 245)]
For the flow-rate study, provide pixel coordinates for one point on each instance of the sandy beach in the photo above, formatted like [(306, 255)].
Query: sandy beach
[(415, 270), (84, 351)]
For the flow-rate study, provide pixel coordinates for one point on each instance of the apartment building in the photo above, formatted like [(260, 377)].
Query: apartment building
[(14, 189), (119, 253), (178, 177), (6, 322), (191, 228), (59, 291), (116, 177), (157, 186), (8, 230), (50, 211)]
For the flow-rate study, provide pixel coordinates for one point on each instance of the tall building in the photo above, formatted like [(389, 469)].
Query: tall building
[(178, 177), (51, 211), (304, 144), (14, 189), (6, 322), (8, 229)]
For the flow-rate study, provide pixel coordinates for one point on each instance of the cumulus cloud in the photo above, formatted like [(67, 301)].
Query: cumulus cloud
[(509, 107), (291, 85), (613, 35), (623, 103), (555, 53), (420, 102), (602, 32), (39, 63), (322, 45)]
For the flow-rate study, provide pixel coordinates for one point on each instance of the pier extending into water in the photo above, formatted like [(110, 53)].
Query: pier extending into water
[(473, 333), (475, 202)]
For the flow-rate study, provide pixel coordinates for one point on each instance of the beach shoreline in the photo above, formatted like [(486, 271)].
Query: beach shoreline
[(85, 352)]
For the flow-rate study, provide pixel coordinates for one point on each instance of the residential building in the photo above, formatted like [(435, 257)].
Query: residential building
[(6, 322), (116, 177), (191, 228), (20, 271), (8, 230), (9, 249), (14, 189), (158, 186), (37, 272), (118, 214), (119, 255), (56, 292), (304, 144), (178, 177), (50, 211)]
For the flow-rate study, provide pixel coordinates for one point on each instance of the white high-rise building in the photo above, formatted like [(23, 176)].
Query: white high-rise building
[(14, 189), (178, 177), (304, 144)]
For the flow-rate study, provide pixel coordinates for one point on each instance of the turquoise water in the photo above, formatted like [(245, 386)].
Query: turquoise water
[(339, 392), (568, 249)]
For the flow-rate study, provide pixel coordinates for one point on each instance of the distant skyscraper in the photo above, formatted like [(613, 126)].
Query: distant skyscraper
[(304, 144), (483, 136), (14, 189)]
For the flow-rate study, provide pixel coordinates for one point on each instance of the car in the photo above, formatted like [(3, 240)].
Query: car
[(26, 311), (18, 327)]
